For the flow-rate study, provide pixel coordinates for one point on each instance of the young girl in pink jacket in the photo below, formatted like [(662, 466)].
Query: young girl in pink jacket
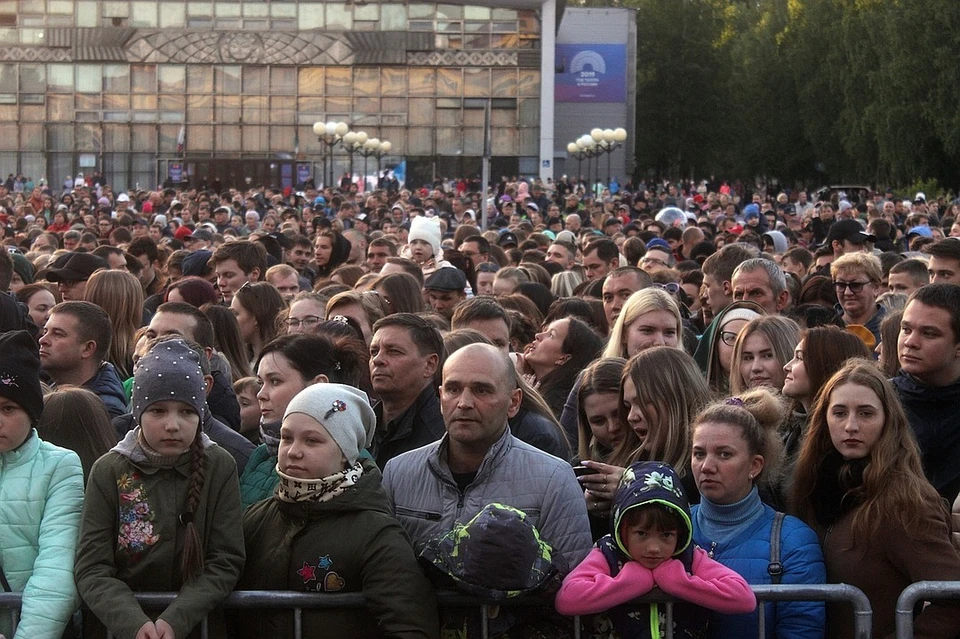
[(650, 547)]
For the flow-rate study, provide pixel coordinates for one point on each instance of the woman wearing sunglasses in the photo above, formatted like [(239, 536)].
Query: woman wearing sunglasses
[(856, 277)]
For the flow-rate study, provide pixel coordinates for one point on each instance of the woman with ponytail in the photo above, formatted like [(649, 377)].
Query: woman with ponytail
[(162, 509)]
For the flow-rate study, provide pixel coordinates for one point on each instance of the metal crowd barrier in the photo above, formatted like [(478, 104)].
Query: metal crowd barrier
[(300, 601), (917, 592)]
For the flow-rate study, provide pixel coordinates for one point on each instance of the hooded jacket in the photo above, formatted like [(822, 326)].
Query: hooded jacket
[(348, 544), (934, 415), (608, 579)]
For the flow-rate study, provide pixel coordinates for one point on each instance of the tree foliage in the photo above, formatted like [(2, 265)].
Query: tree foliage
[(831, 90)]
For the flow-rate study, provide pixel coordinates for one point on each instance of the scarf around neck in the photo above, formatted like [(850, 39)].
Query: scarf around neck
[(295, 489)]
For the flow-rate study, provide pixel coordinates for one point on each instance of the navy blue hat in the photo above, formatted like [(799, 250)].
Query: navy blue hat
[(658, 242), (196, 263)]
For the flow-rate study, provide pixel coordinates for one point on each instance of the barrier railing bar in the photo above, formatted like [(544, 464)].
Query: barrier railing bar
[(669, 607), (298, 601), (917, 592), (761, 620)]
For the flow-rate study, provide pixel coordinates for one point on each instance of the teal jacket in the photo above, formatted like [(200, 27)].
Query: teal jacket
[(41, 494), (259, 478)]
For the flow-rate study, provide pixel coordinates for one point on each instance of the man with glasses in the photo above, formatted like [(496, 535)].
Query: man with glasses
[(857, 279), (659, 257)]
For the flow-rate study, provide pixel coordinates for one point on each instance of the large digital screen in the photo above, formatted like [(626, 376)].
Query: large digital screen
[(591, 73)]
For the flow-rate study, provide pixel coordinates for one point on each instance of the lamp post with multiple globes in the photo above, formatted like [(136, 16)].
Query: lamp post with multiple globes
[(593, 145), (330, 134)]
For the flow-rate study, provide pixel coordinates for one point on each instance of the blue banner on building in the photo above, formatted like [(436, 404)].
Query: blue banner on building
[(591, 73)]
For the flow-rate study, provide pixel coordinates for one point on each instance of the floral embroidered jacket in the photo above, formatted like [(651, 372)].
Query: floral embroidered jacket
[(348, 544), (131, 539)]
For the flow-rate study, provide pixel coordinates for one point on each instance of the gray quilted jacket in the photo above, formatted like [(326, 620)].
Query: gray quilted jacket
[(427, 501)]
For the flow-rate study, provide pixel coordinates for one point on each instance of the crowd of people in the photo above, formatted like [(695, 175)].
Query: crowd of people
[(582, 394)]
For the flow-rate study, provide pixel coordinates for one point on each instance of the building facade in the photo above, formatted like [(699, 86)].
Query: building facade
[(220, 92)]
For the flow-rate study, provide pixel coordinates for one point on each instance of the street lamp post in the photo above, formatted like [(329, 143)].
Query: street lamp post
[(352, 143), (611, 140), (385, 147), (369, 148), (330, 134)]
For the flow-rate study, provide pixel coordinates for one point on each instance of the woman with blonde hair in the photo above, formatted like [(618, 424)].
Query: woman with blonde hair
[(650, 317), (119, 294), (859, 483), (762, 349), (363, 308), (662, 390)]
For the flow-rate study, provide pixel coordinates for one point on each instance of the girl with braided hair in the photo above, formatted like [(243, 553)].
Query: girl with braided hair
[(162, 509)]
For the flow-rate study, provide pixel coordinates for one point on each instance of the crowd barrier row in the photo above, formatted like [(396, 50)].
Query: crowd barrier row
[(297, 602)]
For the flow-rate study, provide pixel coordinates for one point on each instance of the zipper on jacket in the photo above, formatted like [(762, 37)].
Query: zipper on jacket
[(418, 514), (460, 498)]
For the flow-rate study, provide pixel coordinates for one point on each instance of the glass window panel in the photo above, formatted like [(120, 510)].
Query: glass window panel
[(256, 25), (87, 14), (366, 81), (173, 14), (338, 80), (31, 36), (282, 111), (9, 36), (88, 137), (310, 105), (8, 6), (283, 81), (60, 108), (449, 83), (310, 16), (200, 23), (448, 141), (338, 109), (60, 21), (507, 26), (113, 116), (476, 41), (60, 78), (339, 16), (504, 14), (283, 9), (528, 83), (116, 9), (227, 138), (172, 78), (8, 137), (199, 108), (473, 141), (172, 116), (89, 78), (254, 109), (421, 25), (228, 80), (476, 13), (116, 77), (420, 141), (59, 166), (366, 12), (473, 117), (366, 105), (448, 117), (200, 9), (256, 10), (228, 108), (504, 83), (393, 105), (88, 102), (449, 27), (504, 141), (504, 41), (31, 137), (529, 141), (26, 21), (449, 12), (255, 138), (143, 169), (398, 140), (167, 138), (393, 17), (529, 22), (229, 24), (310, 81), (33, 78), (60, 137), (281, 139), (143, 102), (176, 103), (10, 114), (423, 82), (199, 138), (448, 42), (503, 117), (422, 111), (64, 7), (8, 75), (144, 14), (199, 79), (226, 9), (116, 137), (421, 11), (393, 81), (476, 27), (9, 98), (33, 164), (254, 80), (477, 82)]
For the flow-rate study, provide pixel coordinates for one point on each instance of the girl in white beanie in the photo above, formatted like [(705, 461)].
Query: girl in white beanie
[(424, 243)]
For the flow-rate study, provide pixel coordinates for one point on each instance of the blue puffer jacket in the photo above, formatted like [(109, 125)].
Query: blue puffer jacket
[(41, 494), (749, 555)]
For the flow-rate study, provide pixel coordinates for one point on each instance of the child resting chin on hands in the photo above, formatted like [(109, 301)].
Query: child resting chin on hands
[(650, 546)]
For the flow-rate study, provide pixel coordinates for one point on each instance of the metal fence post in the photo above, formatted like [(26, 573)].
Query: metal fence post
[(917, 592)]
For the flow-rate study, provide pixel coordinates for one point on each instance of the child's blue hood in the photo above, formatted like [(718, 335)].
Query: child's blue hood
[(648, 483)]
